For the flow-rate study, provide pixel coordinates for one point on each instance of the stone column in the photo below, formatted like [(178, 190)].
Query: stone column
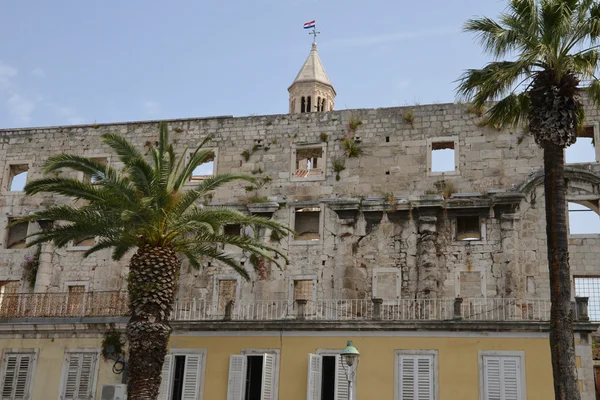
[(301, 313), (377, 308), (44, 273), (428, 273), (506, 263), (582, 308)]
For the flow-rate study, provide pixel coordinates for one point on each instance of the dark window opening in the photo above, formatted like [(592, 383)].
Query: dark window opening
[(178, 374), (17, 235), (308, 104), (387, 139), (254, 378), (583, 150), (442, 157), (303, 105), (323, 105), (468, 228), (306, 223), (328, 378), (233, 230), (319, 104)]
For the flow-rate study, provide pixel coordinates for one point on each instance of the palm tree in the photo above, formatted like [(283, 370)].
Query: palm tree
[(146, 209), (551, 47)]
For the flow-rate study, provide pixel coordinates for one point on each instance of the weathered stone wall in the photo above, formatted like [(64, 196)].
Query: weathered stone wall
[(386, 213)]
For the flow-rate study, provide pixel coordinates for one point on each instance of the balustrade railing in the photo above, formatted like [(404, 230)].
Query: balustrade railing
[(113, 304)]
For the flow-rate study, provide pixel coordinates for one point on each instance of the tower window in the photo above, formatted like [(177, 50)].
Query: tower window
[(323, 105), (319, 108), (303, 104), (308, 104)]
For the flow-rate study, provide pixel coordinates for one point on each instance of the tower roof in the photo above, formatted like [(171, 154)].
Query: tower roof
[(313, 70)]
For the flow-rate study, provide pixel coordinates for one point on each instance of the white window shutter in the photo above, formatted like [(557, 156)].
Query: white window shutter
[(165, 380), (315, 367), (407, 378), (191, 376), (341, 380), (80, 376), (236, 384), (502, 378), (416, 377), (268, 377), (16, 375)]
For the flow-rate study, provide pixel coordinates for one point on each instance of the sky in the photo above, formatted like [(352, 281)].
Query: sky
[(71, 62)]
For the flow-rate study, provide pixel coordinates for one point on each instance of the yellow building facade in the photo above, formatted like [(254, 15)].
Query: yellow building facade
[(396, 362)]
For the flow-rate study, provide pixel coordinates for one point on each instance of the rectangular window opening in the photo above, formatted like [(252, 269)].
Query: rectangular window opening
[(328, 380), (583, 220), (232, 230), (468, 228), (303, 289), (589, 287), (442, 157), (584, 148), (179, 369), (85, 242), (254, 374), (205, 170), (306, 223), (17, 177), (96, 177), (16, 235), (309, 162)]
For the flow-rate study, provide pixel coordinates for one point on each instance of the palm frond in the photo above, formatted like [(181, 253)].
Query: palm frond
[(510, 111), (593, 91)]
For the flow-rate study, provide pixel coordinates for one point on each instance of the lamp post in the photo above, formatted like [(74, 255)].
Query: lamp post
[(349, 358)]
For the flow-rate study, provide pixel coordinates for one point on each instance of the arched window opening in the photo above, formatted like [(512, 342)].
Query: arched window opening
[(319, 104), (323, 105), (303, 105), (583, 218), (308, 105)]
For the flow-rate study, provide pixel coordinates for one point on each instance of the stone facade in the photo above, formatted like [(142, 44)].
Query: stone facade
[(386, 228)]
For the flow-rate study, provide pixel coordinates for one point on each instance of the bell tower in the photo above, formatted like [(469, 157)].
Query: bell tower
[(311, 91)]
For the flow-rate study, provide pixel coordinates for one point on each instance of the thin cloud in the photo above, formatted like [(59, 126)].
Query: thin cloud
[(375, 40), (20, 107), (151, 107), (7, 74), (38, 72), (68, 113)]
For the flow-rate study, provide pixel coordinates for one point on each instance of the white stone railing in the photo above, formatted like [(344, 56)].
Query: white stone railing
[(114, 304)]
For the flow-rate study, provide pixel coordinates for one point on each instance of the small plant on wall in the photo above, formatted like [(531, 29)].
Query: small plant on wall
[(339, 164), (354, 124), (30, 265), (112, 344), (409, 117), (351, 149)]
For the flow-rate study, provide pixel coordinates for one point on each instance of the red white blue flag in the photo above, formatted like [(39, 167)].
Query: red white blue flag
[(309, 25)]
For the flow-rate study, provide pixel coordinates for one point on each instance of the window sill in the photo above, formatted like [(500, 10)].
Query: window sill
[(79, 248), (581, 162), (13, 193), (312, 179), (443, 173), (584, 236), (305, 242)]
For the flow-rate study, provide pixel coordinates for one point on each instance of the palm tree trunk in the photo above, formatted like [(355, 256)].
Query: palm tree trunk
[(152, 281), (562, 347)]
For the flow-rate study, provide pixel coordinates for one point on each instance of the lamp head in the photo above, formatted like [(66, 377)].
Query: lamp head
[(350, 354)]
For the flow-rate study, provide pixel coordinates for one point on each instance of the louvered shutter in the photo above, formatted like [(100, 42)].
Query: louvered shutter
[(165, 380), (80, 376), (191, 376), (341, 380), (416, 377), (268, 377), (502, 378), (17, 372), (315, 367), (236, 384)]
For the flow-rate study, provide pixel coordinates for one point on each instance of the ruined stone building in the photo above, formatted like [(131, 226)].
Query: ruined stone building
[(420, 236)]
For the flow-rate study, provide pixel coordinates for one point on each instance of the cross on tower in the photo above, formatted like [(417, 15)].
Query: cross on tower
[(314, 33)]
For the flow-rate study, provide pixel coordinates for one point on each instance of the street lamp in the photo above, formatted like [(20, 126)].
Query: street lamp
[(350, 363)]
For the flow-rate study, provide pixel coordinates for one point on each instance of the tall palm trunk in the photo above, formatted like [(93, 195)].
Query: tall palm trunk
[(152, 281), (562, 347)]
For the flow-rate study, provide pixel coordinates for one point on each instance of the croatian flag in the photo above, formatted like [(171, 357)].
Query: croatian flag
[(309, 25)]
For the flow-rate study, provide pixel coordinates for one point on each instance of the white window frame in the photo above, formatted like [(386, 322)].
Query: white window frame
[(444, 139), (502, 353), (291, 239), (32, 368), (65, 368), (215, 297), (188, 155), (397, 371), (376, 273), (277, 354), (185, 352), (6, 179), (293, 152), (483, 282), (336, 353)]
